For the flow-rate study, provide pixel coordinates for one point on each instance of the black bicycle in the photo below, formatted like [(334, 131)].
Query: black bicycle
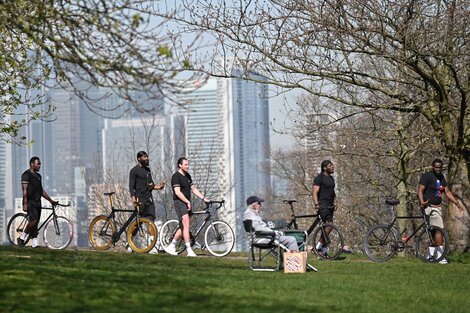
[(219, 238), (326, 236), (141, 231), (383, 241), (57, 230)]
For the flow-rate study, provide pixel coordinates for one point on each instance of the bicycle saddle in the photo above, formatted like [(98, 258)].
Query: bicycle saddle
[(109, 193), (391, 201)]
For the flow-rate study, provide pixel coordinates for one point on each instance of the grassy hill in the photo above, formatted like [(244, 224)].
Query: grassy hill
[(42, 280)]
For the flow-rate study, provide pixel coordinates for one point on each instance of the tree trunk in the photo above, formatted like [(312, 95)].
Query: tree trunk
[(457, 223), (402, 186)]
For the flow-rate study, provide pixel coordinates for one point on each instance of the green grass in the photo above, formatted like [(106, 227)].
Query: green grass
[(43, 280)]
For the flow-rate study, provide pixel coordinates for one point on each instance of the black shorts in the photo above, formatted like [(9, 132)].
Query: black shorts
[(34, 210), (147, 209), (181, 209), (326, 214)]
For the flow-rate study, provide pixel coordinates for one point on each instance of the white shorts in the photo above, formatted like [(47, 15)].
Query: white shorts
[(435, 216)]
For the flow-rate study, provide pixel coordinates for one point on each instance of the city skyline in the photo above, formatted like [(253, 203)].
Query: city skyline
[(62, 155)]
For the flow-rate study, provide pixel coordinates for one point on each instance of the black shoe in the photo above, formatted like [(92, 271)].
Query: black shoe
[(20, 242)]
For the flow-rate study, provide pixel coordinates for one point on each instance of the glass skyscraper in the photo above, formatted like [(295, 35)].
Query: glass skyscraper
[(227, 125)]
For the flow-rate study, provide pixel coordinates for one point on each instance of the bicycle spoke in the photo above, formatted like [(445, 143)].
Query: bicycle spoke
[(329, 241), (427, 250), (58, 233), (16, 226), (142, 235), (219, 238), (101, 233), (167, 234), (380, 243)]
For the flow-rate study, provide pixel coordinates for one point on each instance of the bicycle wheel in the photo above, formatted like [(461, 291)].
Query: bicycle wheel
[(425, 245), (101, 233), (58, 233), (333, 243), (142, 235), (381, 243), (219, 238), (16, 226), (167, 233)]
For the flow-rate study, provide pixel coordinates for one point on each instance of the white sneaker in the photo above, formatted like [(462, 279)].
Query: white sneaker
[(153, 251), (171, 249), (444, 261), (191, 253), (34, 243), (128, 248)]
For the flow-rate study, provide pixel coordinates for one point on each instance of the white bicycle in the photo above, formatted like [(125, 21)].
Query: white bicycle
[(218, 236), (57, 230)]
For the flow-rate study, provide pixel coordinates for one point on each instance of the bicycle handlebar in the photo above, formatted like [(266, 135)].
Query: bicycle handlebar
[(289, 201), (220, 203), (56, 205)]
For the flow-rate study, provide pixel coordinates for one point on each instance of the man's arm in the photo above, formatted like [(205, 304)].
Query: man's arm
[(46, 196), (315, 191), (132, 186), (198, 193), (24, 186), (260, 225), (452, 198), (421, 195), (159, 186), (180, 195), (257, 222)]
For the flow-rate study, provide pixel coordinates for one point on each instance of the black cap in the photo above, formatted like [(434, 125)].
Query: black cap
[(141, 153), (253, 199), (324, 164)]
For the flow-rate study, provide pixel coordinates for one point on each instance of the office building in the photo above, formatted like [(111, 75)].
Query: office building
[(227, 142)]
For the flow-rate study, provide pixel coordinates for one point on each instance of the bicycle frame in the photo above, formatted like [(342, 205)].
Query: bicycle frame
[(18, 223), (424, 224), (318, 220), (112, 216), (52, 215), (383, 241), (321, 228), (208, 219)]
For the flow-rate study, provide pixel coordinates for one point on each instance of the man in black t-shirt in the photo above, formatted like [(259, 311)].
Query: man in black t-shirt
[(324, 197), (182, 186), (31, 183), (141, 186), (432, 185)]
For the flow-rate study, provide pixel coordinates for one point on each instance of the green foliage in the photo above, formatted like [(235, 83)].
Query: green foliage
[(42, 280), (137, 19), (106, 44), (164, 51), (186, 64)]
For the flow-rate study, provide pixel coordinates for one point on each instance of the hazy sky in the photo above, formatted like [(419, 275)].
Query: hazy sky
[(277, 116), (277, 110)]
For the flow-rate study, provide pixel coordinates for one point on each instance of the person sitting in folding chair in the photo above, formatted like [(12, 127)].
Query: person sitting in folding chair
[(253, 213)]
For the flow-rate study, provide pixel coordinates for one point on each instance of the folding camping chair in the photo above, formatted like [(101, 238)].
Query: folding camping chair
[(264, 251)]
